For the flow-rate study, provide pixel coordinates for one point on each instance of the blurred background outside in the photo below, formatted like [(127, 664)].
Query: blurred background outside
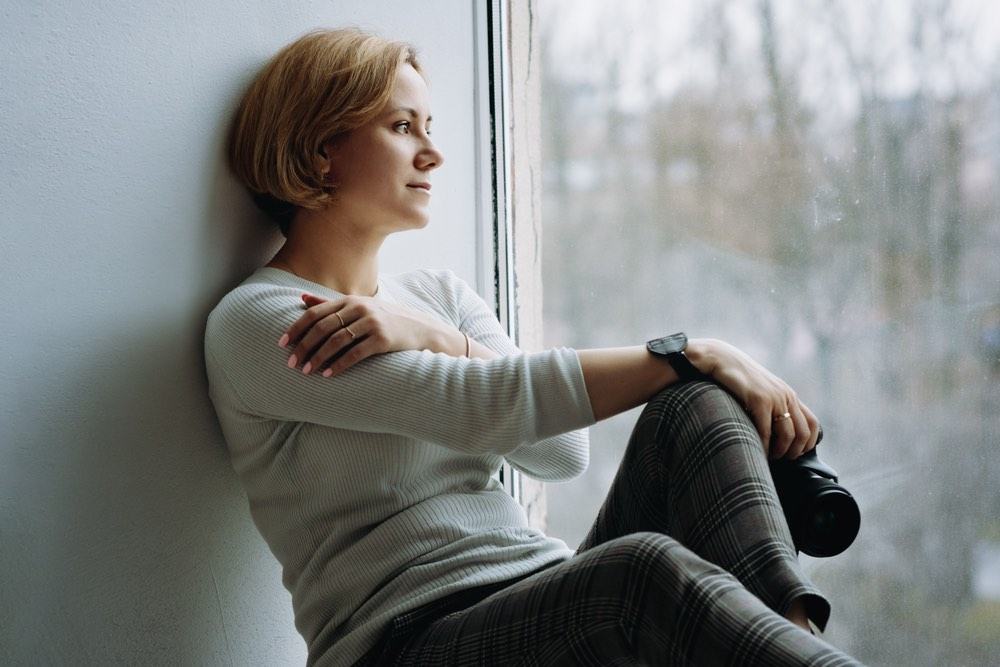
[(818, 183)]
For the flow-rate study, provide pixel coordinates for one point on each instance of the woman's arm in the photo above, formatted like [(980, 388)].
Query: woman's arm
[(618, 379), (559, 457), (470, 405)]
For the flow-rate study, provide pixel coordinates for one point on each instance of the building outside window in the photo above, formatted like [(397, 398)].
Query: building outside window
[(819, 184)]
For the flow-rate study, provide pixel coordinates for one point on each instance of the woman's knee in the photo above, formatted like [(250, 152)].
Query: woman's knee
[(704, 400), (637, 561), (620, 596), (641, 573), (682, 414)]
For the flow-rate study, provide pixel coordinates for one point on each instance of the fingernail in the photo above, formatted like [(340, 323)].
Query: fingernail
[(283, 341), (308, 367), (328, 372), (293, 361)]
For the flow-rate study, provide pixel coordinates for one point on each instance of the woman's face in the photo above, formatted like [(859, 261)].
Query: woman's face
[(381, 171)]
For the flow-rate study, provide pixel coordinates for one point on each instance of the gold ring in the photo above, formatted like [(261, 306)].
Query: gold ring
[(342, 325), (783, 416), (353, 335)]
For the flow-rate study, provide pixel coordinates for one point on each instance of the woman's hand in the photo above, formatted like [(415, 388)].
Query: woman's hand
[(786, 426), (338, 334)]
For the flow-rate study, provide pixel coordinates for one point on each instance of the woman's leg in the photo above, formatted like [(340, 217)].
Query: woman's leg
[(643, 599), (695, 469), (693, 478)]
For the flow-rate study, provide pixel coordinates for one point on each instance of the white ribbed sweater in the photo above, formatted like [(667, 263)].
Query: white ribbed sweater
[(376, 490)]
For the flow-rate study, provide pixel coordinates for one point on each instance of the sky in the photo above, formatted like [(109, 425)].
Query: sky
[(663, 45)]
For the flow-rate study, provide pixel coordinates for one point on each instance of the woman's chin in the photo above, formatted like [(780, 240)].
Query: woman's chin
[(410, 224), (420, 221)]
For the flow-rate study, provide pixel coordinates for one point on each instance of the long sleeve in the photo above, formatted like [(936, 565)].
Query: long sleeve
[(557, 458), (469, 405)]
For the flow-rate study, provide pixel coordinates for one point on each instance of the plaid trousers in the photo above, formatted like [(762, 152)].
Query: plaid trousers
[(689, 562)]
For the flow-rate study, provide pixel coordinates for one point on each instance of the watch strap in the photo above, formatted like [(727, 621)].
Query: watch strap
[(672, 348)]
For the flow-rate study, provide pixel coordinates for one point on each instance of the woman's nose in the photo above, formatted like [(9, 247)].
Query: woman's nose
[(430, 157)]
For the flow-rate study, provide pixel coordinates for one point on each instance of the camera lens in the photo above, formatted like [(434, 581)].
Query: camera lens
[(826, 521), (822, 515)]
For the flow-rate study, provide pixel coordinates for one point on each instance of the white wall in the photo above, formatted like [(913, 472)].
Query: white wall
[(124, 537)]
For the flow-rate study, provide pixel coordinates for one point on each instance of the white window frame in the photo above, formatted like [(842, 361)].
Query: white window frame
[(508, 136)]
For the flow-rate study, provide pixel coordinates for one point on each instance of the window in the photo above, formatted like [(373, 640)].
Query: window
[(818, 184)]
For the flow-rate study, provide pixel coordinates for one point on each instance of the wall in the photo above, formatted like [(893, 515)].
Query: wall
[(124, 537)]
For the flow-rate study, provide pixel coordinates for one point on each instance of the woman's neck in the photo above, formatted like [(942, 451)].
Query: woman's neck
[(321, 252)]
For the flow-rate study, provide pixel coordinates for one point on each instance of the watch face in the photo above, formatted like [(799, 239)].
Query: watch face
[(671, 344)]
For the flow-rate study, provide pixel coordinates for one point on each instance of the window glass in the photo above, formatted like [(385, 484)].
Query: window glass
[(819, 184)]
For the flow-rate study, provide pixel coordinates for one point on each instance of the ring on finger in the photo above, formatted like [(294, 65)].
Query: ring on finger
[(353, 335), (782, 417), (342, 324)]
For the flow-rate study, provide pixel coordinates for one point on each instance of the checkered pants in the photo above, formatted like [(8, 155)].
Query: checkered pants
[(686, 564)]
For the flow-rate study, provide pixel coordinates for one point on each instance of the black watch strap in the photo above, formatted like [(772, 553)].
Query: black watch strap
[(672, 347)]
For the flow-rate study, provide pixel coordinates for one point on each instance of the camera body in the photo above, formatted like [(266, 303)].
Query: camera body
[(822, 515)]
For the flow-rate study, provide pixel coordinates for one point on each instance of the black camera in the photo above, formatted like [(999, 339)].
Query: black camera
[(822, 515)]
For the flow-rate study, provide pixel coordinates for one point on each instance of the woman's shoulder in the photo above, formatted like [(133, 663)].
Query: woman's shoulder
[(266, 297), (443, 290), (258, 288), (430, 280), (446, 293)]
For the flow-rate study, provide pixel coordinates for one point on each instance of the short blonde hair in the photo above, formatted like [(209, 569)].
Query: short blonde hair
[(316, 89)]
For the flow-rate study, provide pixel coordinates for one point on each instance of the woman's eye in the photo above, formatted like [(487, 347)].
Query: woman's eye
[(403, 127)]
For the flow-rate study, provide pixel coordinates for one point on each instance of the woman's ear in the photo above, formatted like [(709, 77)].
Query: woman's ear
[(322, 160)]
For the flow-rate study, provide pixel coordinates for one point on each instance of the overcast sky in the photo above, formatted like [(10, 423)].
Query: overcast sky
[(672, 40)]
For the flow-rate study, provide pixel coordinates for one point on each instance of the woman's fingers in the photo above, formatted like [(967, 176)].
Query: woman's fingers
[(321, 322), (760, 414), (783, 436), (330, 336), (312, 300), (811, 432), (783, 429), (365, 348), (335, 335), (787, 428), (349, 344), (338, 334), (794, 431), (334, 345), (316, 308)]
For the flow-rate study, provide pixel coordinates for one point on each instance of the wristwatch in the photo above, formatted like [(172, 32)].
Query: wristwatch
[(672, 347)]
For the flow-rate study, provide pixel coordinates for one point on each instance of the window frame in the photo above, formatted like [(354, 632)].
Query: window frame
[(508, 101)]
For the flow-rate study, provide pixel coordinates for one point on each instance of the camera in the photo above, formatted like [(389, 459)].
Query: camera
[(822, 515)]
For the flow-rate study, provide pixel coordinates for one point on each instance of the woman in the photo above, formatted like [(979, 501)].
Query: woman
[(367, 416)]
